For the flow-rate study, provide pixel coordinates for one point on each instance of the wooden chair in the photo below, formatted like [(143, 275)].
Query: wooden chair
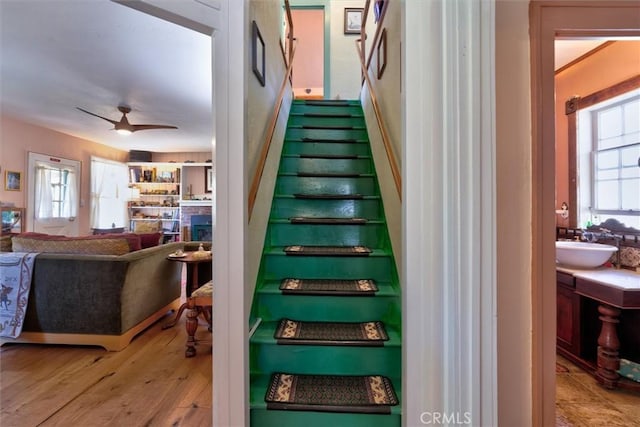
[(200, 302)]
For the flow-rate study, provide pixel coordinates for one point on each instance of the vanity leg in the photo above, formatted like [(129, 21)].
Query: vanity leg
[(608, 346)]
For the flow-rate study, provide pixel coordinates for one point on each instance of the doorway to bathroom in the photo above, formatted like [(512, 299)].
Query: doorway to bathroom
[(308, 74)]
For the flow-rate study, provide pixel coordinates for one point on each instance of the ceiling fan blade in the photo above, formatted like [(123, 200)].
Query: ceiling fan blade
[(147, 127), (93, 114)]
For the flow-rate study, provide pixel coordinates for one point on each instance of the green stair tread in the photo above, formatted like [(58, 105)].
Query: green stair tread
[(292, 196), (265, 332), (279, 250), (318, 220), (329, 196), (309, 140), (329, 156), (329, 140), (329, 221), (259, 383), (328, 103), (326, 250), (329, 174), (326, 115)]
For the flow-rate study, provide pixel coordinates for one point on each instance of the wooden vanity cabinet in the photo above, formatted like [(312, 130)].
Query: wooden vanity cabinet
[(567, 314)]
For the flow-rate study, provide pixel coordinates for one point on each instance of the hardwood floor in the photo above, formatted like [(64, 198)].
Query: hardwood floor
[(149, 383)]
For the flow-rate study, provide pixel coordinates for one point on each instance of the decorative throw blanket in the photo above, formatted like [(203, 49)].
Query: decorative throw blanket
[(15, 281)]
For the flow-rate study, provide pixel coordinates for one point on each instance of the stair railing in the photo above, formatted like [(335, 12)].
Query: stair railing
[(361, 48), (255, 183)]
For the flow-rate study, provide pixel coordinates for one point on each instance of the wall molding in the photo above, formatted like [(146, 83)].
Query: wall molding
[(449, 302)]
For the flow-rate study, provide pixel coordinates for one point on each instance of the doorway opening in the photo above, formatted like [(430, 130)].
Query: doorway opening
[(308, 76)]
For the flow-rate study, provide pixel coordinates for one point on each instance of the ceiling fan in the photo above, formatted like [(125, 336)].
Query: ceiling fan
[(123, 126)]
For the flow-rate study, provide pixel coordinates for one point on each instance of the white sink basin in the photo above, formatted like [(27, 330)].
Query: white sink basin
[(583, 254)]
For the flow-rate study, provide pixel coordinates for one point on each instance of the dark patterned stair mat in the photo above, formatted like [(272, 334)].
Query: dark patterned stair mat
[(337, 287), (348, 140), (328, 196), (328, 221), (329, 156), (364, 334), (328, 175), (370, 394), (327, 250), (332, 127)]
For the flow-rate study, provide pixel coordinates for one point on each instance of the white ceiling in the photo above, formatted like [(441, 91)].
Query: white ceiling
[(568, 50), (57, 55)]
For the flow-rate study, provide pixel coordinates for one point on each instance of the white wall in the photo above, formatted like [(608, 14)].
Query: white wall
[(513, 180), (388, 94), (345, 66)]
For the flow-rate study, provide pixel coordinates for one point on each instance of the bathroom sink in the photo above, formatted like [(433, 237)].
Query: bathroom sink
[(583, 254)]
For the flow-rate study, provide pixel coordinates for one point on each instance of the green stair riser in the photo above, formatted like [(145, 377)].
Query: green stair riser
[(329, 267), (296, 165), (296, 147), (365, 186), (296, 121), (333, 134), (327, 235), (287, 207), (312, 109), (266, 418), (327, 308), (326, 360)]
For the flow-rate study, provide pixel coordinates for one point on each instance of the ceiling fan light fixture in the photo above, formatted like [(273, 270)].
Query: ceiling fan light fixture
[(123, 127)]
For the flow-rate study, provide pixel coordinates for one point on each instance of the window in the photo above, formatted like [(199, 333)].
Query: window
[(56, 187), (109, 193), (608, 137)]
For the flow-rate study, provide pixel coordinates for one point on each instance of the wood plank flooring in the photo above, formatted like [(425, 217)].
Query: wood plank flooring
[(149, 383)]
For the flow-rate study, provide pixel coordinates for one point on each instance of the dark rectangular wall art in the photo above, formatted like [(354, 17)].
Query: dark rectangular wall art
[(257, 52)]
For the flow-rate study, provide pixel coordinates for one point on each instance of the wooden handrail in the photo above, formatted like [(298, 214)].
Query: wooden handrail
[(255, 183), (395, 170)]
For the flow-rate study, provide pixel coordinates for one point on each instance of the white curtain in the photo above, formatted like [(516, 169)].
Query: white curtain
[(70, 199), (44, 193), (109, 193), (44, 196)]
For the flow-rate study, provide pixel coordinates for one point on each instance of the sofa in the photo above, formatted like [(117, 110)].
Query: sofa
[(96, 298)]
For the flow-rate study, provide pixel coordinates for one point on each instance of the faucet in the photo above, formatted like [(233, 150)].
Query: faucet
[(607, 234)]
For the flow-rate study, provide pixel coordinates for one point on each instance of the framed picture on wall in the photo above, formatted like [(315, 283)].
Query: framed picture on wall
[(352, 20), (208, 179), (12, 180), (257, 53)]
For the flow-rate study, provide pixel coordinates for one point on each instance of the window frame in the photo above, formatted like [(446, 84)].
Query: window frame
[(573, 106)]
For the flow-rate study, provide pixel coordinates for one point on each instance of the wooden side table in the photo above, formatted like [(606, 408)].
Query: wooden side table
[(192, 261)]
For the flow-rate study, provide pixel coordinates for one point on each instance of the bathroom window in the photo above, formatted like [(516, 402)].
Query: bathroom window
[(616, 176), (608, 137)]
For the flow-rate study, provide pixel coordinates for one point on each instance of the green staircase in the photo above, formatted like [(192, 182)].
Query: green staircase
[(327, 283)]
